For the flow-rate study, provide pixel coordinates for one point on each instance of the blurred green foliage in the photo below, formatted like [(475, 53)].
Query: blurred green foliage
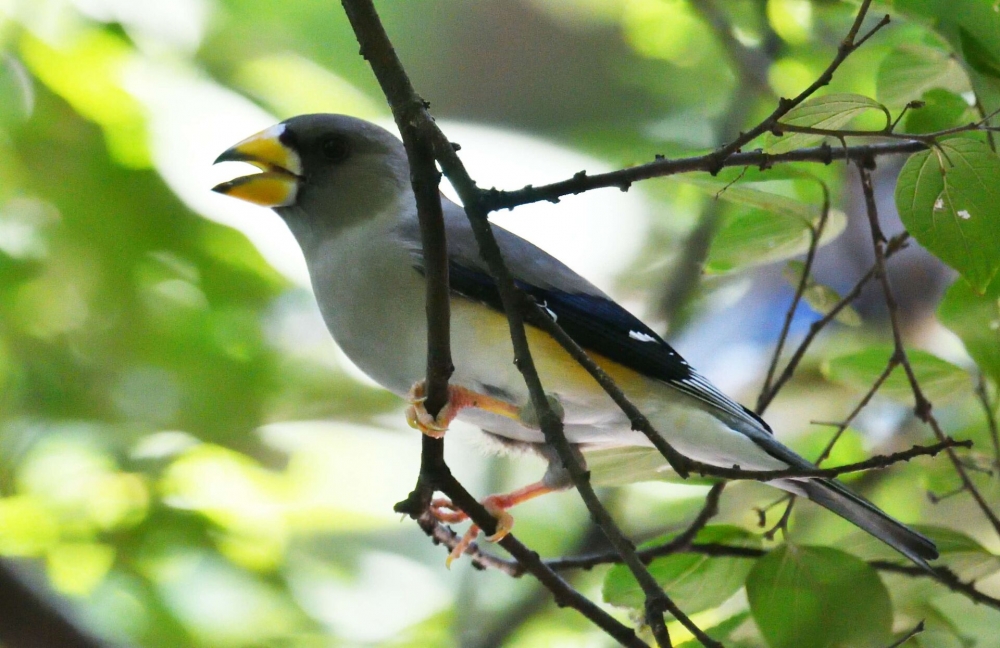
[(185, 461)]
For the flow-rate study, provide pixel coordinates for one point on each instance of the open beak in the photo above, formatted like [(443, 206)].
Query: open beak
[(281, 170)]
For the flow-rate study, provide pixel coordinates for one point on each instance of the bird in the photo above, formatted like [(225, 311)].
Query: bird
[(342, 185)]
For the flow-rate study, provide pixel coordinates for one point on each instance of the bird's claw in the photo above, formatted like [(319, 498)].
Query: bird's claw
[(445, 511), (505, 522), (418, 418)]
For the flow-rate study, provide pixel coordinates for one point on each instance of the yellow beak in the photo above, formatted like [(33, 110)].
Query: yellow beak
[(281, 170)]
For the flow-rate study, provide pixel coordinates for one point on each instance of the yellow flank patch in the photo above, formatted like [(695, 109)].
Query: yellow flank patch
[(268, 189), (559, 372)]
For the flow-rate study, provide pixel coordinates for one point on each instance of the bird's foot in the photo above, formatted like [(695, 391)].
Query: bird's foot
[(445, 511), (419, 418), (459, 398)]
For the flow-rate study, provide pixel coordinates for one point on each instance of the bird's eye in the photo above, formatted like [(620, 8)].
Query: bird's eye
[(336, 149)]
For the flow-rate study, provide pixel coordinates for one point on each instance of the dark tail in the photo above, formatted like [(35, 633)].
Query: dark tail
[(836, 497)]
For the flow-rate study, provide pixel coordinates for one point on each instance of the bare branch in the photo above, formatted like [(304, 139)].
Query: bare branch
[(767, 394), (494, 199), (922, 406), (940, 575), (989, 411), (846, 48), (876, 462), (28, 620), (889, 368), (895, 244)]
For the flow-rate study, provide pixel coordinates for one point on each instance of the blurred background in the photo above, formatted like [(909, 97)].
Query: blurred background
[(186, 459)]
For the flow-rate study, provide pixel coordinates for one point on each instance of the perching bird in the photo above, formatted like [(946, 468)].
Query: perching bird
[(342, 185)]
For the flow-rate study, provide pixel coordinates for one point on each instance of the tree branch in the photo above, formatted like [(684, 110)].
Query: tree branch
[(28, 620), (767, 393), (377, 49), (922, 406), (494, 199)]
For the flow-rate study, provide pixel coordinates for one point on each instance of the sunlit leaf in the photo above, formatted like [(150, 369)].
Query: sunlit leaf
[(721, 631), (950, 202), (77, 568), (28, 527), (962, 554), (748, 195), (958, 552), (975, 319), (696, 582), (939, 380), (941, 109), (850, 447), (16, 89), (820, 297), (88, 73), (750, 238), (912, 69), (775, 227), (829, 112), (818, 597)]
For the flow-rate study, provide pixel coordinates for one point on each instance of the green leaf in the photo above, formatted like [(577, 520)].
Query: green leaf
[(950, 202), (17, 91), (746, 195), (850, 447), (959, 552), (912, 69), (820, 298), (752, 238), (775, 227), (977, 55), (829, 112), (721, 631), (976, 320), (818, 597), (963, 555), (942, 109), (694, 581), (939, 379)]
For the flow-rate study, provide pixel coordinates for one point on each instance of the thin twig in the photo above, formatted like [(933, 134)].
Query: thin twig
[(982, 114), (679, 543), (622, 179), (922, 406), (895, 244), (850, 43), (940, 575), (843, 425), (989, 411), (767, 394), (872, 463), (513, 301), (917, 629)]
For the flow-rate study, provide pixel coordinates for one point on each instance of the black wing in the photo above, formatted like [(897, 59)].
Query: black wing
[(600, 325)]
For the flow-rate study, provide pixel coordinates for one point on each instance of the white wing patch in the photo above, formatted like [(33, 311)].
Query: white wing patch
[(545, 307), (641, 337)]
